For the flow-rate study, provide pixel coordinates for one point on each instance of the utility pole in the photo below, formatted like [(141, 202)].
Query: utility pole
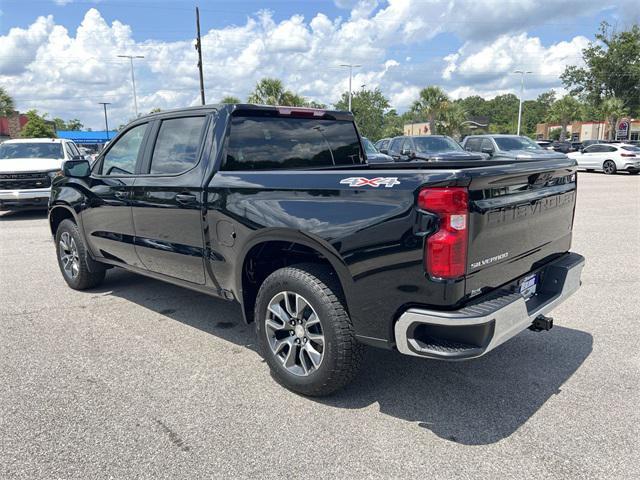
[(199, 49), (133, 80), (522, 74), (351, 67), (106, 123)]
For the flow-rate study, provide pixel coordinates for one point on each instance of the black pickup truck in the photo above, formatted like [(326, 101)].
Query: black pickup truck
[(277, 208)]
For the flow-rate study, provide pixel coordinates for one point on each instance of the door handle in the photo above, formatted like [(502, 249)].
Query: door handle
[(185, 199), (121, 195)]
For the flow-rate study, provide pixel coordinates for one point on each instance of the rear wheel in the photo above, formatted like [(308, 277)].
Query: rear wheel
[(609, 167), (72, 258), (304, 332)]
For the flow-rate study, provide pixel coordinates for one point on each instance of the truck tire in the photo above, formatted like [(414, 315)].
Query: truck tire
[(304, 331), (72, 258), (609, 167)]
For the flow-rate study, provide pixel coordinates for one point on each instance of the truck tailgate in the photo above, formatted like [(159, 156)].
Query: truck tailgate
[(518, 221)]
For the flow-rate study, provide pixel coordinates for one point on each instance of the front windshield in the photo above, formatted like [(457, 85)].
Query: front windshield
[(516, 143), (435, 145), (369, 147), (30, 150)]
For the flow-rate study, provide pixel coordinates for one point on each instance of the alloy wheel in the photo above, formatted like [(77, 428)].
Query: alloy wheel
[(609, 167), (294, 333), (69, 255)]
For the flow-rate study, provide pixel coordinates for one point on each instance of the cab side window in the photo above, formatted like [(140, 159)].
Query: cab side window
[(122, 156), (486, 143), (473, 145), (177, 145)]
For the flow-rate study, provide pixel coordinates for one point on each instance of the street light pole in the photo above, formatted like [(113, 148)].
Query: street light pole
[(106, 123), (133, 80), (522, 74), (351, 67)]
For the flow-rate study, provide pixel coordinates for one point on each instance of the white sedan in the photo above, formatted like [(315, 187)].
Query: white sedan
[(609, 157)]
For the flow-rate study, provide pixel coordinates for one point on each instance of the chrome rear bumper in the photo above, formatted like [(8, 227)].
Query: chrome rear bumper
[(480, 327)]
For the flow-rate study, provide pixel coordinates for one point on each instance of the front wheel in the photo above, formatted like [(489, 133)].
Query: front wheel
[(304, 332), (72, 258), (609, 167)]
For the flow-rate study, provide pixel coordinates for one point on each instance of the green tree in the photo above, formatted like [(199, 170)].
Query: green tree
[(155, 110), (564, 111), (230, 99), (37, 126), (75, 124), (612, 68), (368, 107), (59, 124), (430, 105), (271, 91), (314, 104), (475, 106), (613, 109), (7, 106), (452, 119), (503, 113), (392, 125)]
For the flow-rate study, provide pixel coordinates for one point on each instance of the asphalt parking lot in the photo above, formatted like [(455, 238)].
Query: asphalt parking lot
[(140, 379)]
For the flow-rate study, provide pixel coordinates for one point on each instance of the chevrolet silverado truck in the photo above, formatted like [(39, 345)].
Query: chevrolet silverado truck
[(276, 208), (27, 167)]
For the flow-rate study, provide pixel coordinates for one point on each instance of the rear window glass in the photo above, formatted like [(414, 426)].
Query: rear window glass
[(265, 143), (516, 143), (631, 148), (435, 145), (473, 144), (31, 150)]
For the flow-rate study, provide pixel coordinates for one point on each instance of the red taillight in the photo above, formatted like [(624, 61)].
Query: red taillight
[(446, 249), (627, 154)]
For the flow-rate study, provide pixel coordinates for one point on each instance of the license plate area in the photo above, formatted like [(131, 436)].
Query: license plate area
[(528, 286)]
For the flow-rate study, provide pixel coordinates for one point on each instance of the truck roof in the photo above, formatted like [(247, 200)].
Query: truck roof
[(250, 107)]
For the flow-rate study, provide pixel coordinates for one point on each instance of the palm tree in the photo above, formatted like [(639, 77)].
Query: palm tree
[(612, 109), (564, 111), (430, 105), (271, 91), (453, 117)]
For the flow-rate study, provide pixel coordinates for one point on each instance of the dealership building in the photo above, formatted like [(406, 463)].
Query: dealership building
[(628, 129)]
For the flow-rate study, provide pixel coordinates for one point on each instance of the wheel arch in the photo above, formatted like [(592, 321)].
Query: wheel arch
[(58, 213), (268, 251)]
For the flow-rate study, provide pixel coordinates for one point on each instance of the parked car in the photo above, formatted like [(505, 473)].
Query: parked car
[(431, 148), (382, 145), (562, 147), (546, 144), (587, 143), (372, 154), (509, 147), (27, 167), (609, 158), (277, 209)]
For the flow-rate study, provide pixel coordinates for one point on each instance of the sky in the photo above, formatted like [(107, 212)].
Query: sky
[(61, 56)]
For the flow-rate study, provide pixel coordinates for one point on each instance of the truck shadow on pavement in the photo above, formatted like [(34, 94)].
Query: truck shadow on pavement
[(475, 402), (19, 215)]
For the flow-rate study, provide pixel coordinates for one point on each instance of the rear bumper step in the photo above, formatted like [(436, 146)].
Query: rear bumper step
[(480, 327)]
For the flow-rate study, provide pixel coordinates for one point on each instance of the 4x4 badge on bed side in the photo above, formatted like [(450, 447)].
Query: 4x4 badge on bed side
[(388, 182)]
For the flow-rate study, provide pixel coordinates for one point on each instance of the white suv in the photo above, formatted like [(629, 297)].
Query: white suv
[(609, 157), (27, 167)]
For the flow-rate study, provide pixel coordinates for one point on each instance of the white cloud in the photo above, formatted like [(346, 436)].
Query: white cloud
[(490, 67), (66, 73), (62, 3)]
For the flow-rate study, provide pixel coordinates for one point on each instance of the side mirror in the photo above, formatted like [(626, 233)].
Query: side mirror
[(488, 151), (76, 168), (384, 150), (407, 152)]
